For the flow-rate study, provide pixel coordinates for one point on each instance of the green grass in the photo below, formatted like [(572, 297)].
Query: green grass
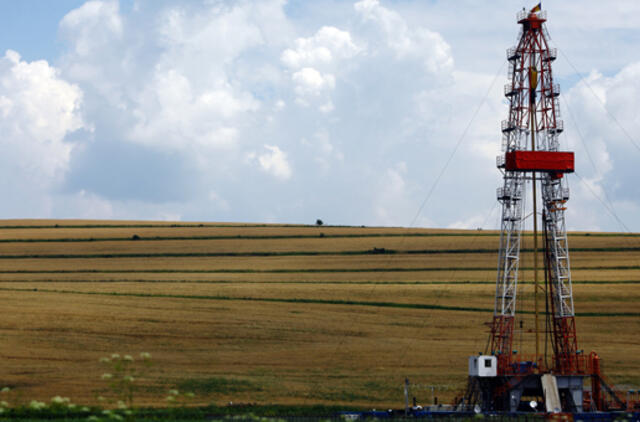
[(241, 412)]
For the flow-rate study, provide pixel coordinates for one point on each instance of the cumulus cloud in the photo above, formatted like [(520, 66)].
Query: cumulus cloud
[(396, 202), (601, 127), (255, 111), (92, 25), (38, 109), (274, 162), (405, 41), (314, 60), (325, 47), (311, 82)]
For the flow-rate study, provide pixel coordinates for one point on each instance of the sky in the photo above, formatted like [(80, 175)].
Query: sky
[(369, 112)]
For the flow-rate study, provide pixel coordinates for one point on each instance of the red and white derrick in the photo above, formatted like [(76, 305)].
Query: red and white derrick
[(531, 152), (500, 381)]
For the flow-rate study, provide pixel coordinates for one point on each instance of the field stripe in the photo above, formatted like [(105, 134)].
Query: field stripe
[(309, 301), (374, 251), (304, 282), (293, 226), (293, 271), (162, 226), (239, 237), (264, 237)]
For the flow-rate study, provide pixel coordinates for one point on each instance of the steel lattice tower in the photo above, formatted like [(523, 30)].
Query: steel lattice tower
[(530, 145), (499, 381)]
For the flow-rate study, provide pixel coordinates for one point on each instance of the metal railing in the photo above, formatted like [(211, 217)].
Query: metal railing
[(559, 127), (507, 126), (512, 53), (525, 14), (550, 54)]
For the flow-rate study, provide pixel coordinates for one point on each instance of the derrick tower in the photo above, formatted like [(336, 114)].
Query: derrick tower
[(503, 379), (531, 152)]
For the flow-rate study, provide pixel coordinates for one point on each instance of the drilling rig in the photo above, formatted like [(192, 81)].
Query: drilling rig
[(502, 379)]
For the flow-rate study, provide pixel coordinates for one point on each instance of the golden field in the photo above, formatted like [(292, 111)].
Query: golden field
[(282, 313)]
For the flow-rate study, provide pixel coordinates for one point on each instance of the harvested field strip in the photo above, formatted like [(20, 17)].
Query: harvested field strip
[(284, 237), (293, 271), (278, 300), (236, 226), (239, 237), (293, 253), (309, 245), (381, 283), (310, 301), (239, 254), (152, 226)]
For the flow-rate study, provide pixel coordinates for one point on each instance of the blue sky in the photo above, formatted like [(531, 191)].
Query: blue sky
[(30, 26), (274, 111)]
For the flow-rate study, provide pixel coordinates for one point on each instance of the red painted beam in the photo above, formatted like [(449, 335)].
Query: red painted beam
[(550, 161)]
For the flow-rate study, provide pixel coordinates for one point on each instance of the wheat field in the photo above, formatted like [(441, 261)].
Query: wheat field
[(256, 313)]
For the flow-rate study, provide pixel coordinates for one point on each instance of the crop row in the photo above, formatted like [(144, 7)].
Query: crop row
[(308, 301)]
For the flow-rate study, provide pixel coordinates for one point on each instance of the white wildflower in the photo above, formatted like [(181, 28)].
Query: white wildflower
[(145, 355), (128, 378), (5, 390), (37, 405), (127, 358), (115, 356), (174, 392), (106, 376), (105, 360)]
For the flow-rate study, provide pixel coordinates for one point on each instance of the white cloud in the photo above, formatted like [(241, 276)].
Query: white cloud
[(38, 110), (311, 82), (395, 202), (274, 162), (478, 222), (405, 41), (600, 125), (170, 112), (314, 61), (323, 48), (92, 25)]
